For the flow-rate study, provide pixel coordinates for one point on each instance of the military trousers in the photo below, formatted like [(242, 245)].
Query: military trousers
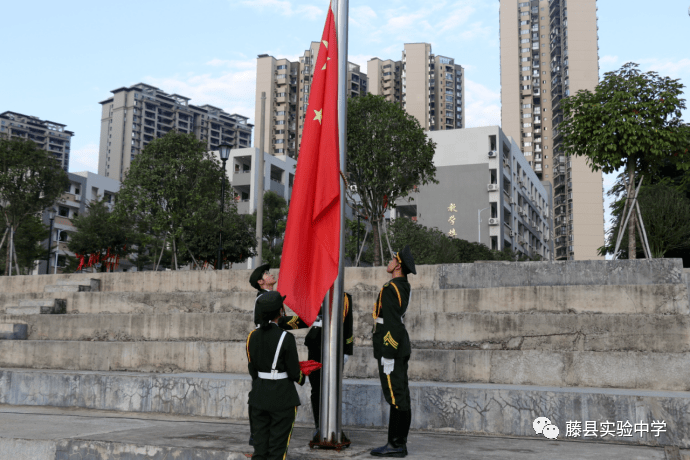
[(395, 386), (272, 431)]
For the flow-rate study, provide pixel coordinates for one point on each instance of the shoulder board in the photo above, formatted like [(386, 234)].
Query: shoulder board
[(386, 285)]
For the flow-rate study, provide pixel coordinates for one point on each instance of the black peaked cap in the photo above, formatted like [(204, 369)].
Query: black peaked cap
[(269, 304), (407, 261), (257, 274)]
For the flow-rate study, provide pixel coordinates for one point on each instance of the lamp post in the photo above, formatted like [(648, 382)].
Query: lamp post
[(224, 155), (479, 226), (51, 216)]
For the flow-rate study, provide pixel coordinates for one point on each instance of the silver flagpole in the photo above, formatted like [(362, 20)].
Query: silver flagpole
[(332, 339)]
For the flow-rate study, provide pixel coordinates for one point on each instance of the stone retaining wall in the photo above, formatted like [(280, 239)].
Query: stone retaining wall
[(465, 408)]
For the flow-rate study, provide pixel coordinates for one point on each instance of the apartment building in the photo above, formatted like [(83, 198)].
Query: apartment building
[(429, 87), (48, 135), (83, 188), (152, 113), (487, 193), (549, 50), (287, 85)]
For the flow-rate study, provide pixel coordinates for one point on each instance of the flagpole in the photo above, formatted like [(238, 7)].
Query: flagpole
[(332, 340)]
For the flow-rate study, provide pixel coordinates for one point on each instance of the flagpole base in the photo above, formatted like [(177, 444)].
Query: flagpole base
[(333, 445)]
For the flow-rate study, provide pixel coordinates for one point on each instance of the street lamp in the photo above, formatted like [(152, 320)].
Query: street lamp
[(51, 216), (224, 155), (479, 227)]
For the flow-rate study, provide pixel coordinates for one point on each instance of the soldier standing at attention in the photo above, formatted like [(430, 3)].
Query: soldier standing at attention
[(273, 365), (392, 351)]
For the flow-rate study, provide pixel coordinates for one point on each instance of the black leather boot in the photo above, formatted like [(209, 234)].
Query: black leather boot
[(396, 448)]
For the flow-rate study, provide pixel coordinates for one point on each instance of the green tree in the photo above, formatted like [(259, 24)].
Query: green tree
[(632, 120), (30, 181), (275, 220), (100, 232), (388, 155), (352, 230), (666, 216), (172, 185), (430, 246), (27, 241), (239, 239)]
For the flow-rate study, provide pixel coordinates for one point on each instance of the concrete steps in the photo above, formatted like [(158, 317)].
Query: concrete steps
[(433, 330), (502, 410), (38, 307), (635, 370), (13, 331), (612, 299)]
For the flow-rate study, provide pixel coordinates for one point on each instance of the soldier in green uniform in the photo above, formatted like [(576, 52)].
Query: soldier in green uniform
[(273, 364), (263, 282), (313, 343), (392, 351)]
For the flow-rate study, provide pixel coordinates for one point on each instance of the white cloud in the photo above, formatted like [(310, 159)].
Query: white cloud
[(675, 68), (359, 59), (84, 159), (608, 61), (440, 22), (231, 89), (286, 8), (483, 105), (246, 64), (363, 17)]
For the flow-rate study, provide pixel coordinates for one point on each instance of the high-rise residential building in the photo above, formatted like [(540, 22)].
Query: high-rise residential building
[(287, 84), (49, 136), (549, 50), (152, 113), (429, 87)]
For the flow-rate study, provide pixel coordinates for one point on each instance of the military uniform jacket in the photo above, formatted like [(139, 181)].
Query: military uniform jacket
[(273, 395), (313, 338), (285, 322), (390, 338)]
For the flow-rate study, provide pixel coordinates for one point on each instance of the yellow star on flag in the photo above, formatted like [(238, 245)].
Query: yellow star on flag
[(324, 66), (325, 43), (318, 115)]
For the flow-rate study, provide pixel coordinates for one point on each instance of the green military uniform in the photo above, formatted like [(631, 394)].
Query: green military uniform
[(392, 352), (273, 364), (391, 340), (314, 343), (286, 322)]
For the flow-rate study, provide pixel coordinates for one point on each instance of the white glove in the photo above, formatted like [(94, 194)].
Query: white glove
[(345, 358), (387, 365)]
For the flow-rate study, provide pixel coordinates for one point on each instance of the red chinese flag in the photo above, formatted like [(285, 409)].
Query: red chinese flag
[(309, 263)]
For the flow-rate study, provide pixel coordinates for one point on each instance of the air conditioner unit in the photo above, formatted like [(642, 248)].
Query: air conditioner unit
[(493, 154), (493, 187), (353, 188), (493, 221), (521, 240), (512, 233), (512, 200)]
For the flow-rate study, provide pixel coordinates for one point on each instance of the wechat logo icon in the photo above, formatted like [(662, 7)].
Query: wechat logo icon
[(542, 425)]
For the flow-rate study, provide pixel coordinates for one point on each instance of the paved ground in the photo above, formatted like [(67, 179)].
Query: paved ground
[(169, 436)]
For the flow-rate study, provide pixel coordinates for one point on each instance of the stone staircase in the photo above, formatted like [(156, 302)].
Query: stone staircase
[(495, 345)]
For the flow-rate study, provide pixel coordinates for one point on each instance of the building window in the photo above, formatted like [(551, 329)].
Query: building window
[(63, 211)]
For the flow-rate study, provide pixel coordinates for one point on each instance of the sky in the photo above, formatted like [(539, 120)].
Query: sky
[(61, 60)]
